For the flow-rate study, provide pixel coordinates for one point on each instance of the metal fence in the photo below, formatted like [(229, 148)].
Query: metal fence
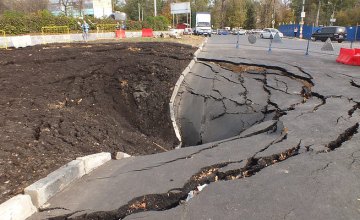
[(101, 29), (285, 44), (288, 30), (60, 32), (55, 30)]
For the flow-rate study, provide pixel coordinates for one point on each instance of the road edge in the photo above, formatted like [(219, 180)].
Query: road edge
[(37, 194), (176, 91)]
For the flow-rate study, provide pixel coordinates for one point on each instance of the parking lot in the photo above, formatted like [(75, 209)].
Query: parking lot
[(287, 44)]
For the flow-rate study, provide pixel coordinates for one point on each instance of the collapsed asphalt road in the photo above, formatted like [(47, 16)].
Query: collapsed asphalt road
[(298, 159), (220, 100)]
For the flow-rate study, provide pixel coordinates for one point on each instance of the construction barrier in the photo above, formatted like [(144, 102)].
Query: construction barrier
[(349, 56), (120, 34), (147, 32), (3, 39), (62, 31)]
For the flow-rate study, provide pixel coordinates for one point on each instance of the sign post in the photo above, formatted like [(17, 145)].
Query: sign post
[(180, 8), (302, 19)]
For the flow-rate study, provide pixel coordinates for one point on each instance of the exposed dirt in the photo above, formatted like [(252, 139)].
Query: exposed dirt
[(63, 101)]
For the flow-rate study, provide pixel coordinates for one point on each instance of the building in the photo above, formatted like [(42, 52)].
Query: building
[(78, 8)]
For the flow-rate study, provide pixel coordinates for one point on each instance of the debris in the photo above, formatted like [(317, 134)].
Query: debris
[(121, 155), (192, 193), (162, 148)]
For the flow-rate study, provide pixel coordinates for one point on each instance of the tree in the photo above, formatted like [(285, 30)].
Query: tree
[(65, 5), (24, 6), (3, 6), (250, 22), (79, 6)]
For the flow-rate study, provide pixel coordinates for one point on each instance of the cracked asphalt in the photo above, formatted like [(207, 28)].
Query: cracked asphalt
[(276, 135)]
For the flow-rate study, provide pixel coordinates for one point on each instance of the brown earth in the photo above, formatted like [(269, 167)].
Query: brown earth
[(59, 102)]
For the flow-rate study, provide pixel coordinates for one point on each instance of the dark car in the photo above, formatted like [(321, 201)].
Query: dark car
[(222, 32), (335, 33)]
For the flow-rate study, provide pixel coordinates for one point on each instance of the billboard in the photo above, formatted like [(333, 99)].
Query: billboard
[(180, 8)]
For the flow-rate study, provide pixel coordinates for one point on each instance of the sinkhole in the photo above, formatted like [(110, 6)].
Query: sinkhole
[(220, 100)]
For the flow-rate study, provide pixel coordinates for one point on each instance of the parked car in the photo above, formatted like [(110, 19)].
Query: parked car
[(188, 31), (240, 31), (335, 33), (255, 31), (269, 33), (222, 32)]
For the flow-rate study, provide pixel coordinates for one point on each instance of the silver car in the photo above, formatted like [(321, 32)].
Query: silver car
[(269, 33)]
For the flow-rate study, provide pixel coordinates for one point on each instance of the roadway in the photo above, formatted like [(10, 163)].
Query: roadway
[(276, 134)]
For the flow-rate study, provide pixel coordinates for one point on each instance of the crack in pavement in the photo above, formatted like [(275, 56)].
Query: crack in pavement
[(206, 175), (345, 136)]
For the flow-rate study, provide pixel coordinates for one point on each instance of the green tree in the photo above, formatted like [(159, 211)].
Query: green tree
[(250, 21)]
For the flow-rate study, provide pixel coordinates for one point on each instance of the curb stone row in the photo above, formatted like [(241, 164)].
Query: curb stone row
[(37, 194), (176, 90)]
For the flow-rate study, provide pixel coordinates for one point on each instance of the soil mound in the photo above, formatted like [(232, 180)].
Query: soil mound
[(63, 101)]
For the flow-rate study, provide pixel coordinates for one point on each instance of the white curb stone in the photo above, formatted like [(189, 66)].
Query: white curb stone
[(17, 208), (56, 181), (93, 161)]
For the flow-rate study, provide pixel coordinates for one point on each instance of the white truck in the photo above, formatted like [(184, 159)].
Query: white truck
[(203, 24)]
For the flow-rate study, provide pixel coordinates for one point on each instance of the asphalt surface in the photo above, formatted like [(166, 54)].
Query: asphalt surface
[(276, 142)]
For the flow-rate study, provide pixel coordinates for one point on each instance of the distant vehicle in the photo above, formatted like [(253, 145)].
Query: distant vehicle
[(240, 32), (335, 33), (222, 32), (188, 31), (255, 31), (203, 24), (269, 33)]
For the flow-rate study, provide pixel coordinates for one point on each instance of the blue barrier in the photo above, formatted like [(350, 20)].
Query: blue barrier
[(351, 33), (288, 30)]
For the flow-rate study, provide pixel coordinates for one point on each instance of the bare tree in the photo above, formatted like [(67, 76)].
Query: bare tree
[(25, 6), (3, 6), (79, 5), (65, 5)]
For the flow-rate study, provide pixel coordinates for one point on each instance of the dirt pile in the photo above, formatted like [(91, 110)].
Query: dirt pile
[(63, 101)]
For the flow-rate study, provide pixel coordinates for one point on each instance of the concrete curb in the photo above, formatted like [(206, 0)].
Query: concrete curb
[(17, 208), (42, 190), (37, 194), (31, 40), (93, 161), (176, 91)]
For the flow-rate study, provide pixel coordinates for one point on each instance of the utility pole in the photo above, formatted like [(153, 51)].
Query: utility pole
[(302, 19), (318, 14), (139, 10), (155, 12), (273, 16)]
